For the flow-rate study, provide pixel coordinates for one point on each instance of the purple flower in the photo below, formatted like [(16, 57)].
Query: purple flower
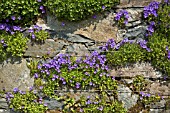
[(168, 54), (122, 14), (167, 48), (100, 108), (77, 85), (91, 83), (30, 30), (41, 87), (81, 110), (38, 0), (35, 75), (103, 7), (15, 90), (45, 104), (151, 9), (31, 88), (33, 36), (19, 18), (63, 24), (88, 102), (2, 41), (2, 26), (7, 20), (13, 17), (94, 16), (41, 7), (16, 28)]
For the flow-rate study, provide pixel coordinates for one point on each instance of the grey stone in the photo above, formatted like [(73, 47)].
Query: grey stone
[(156, 111), (77, 49), (15, 74), (79, 38), (135, 32), (3, 103), (50, 47), (53, 103), (158, 105), (126, 97), (143, 68)]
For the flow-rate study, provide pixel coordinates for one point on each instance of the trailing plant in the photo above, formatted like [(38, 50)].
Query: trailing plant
[(122, 18), (27, 102), (93, 104), (125, 52), (75, 10), (14, 45), (37, 34), (23, 12), (139, 83), (147, 98), (78, 74)]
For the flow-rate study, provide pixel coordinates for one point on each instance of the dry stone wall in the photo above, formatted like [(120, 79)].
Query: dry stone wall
[(82, 38)]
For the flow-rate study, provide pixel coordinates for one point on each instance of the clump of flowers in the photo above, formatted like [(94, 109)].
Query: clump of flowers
[(122, 18), (151, 13), (168, 52), (147, 98), (150, 28), (151, 9), (25, 101), (37, 34)]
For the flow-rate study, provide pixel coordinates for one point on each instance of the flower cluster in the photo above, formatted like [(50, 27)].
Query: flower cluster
[(110, 44), (35, 28), (144, 95), (150, 28), (143, 44), (3, 43), (42, 8), (37, 34), (61, 69), (151, 9), (168, 56), (35, 103), (122, 16), (10, 29)]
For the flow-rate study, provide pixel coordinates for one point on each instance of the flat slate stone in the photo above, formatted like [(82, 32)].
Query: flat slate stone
[(15, 74)]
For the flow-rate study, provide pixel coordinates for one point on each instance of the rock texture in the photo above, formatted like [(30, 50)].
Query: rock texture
[(135, 3), (14, 73)]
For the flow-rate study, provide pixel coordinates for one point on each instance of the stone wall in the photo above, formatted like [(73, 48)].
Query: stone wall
[(81, 38)]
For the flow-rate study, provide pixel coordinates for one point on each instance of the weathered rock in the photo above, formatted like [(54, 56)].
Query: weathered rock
[(50, 47), (126, 97), (134, 3), (158, 105), (53, 104), (157, 88), (77, 49), (15, 74), (144, 69), (79, 39), (3, 103), (136, 32)]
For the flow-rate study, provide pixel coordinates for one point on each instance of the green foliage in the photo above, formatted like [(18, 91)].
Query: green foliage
[(27, 102), (127, 54), (100, 104), (14, 45), (163, 21), (139, 83), (75, 10), (41, 36), (24, 11), (32, 65), (149, 99)]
